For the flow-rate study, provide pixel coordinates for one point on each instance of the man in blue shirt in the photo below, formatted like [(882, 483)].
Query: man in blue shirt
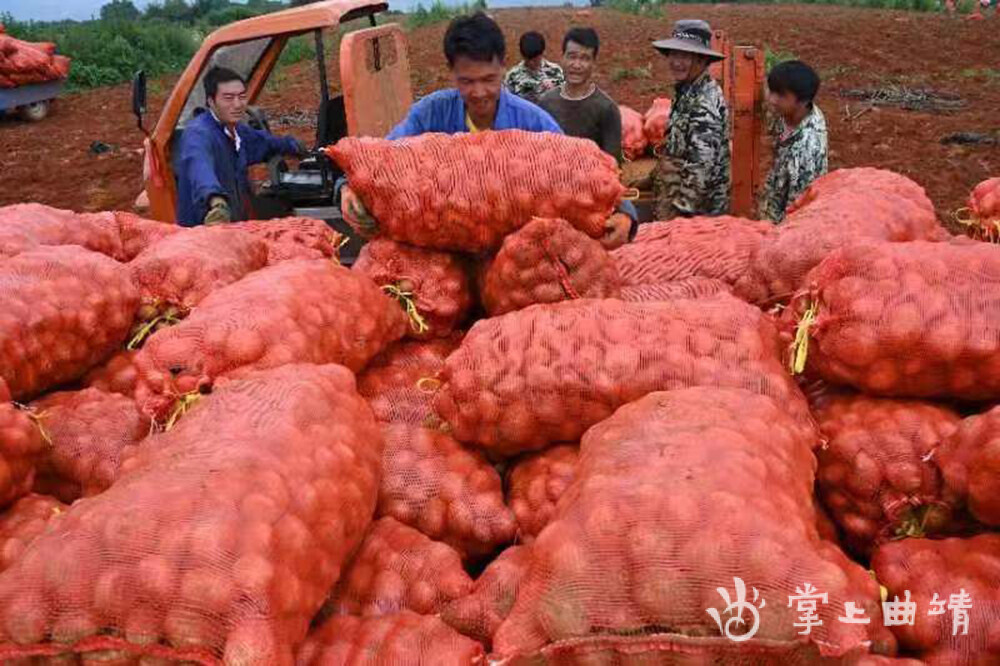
[(475, 49), (216, 152)]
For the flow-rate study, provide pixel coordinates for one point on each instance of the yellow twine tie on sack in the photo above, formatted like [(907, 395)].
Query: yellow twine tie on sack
[(976, 227), (183, 405), (417, 322), (428, 384), (800, 348), (168, 317), (883, 591), (36, 418)]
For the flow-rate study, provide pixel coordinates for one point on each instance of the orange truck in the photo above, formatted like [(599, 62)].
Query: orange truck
[(373, 93)]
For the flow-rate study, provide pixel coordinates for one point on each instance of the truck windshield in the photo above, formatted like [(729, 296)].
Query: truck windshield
[(241, 58)]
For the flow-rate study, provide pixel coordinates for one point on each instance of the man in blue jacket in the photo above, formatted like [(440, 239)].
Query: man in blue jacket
[(475, 49), (216, 151)]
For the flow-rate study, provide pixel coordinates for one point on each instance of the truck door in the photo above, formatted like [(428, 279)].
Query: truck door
[(375, 77)]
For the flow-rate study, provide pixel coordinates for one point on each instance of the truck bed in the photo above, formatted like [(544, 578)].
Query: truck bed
[(12, 98)]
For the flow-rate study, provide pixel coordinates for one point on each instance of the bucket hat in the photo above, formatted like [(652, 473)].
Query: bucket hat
[(690, 36)]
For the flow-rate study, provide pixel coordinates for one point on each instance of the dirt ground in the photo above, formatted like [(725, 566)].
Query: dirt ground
[(52, 162)]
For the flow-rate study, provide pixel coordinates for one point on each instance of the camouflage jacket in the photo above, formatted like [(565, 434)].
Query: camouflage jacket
[(530, 84), (693, 174), (799, 159)]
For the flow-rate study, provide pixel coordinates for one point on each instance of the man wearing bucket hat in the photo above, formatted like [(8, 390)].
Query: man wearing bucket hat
[(692, 176)]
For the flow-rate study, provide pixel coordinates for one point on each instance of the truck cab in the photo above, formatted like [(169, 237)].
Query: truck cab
[(372, 94)]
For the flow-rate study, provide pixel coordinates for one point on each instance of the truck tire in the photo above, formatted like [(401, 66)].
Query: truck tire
[(35, 111)]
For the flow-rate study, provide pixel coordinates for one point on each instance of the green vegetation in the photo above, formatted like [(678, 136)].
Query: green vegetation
[(772, 58), (442, 13), (161, 40), (633, 73)]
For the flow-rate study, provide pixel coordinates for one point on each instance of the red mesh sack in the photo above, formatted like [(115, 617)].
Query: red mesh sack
[(879, 660), (926, 570), (535, 485), (117, 375), (220, 540), (530, 378), (706, 247), (21, 444), (398, 568), (912, 320), (875, 472), (547, 261), (65, 309), (838, 209), (451, 494), (432, 287), (403, 639), (22, 523), (479, 613), (137, 233), (293, 238), (26, 226), (86, 432), (634, 141), (675, 495), (23, 63), (970, 463), (695, 287), (467, 191), (399, 383), (310, 311), (186, 267), (656, 120), (825, 526), (982, 216)]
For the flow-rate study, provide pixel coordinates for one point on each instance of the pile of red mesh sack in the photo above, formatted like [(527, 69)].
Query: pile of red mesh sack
[(402, 639), (307, 311), (535, 485), (902, 320), (656, 120), (545, 374), (843, 207), (398, 568), (634, 141), (293, 238), (631, 562), (219, 541), (467, 191), (86, 432), (946, 579), (400, 383), (432, 287), (23, 63), (547, 261), (700, 247), (970, 463), (448, 492), (876, 474), (695, 287), (26, 226), (186, 267), (479, 613), (65, 309)]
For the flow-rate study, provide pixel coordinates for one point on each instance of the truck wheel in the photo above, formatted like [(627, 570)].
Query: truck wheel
[(35, 111)]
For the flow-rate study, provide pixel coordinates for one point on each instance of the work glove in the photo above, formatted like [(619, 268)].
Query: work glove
[(354, 212), (218, 212), (616, 231)]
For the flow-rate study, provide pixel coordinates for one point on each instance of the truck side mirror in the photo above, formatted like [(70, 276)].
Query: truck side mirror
[(139, 96)]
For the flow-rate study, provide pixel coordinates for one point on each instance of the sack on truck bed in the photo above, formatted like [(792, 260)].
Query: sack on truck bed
[(970, 463), (451, 494), (398, 568), (86, 432), (403, 639), (655, 122), (535, 485), (876, 473), (65, 309), (676, 496), (547, 261), (634, 141), (840, 208), (220, 540), (545, 374), (695, 287), (467, 191), (432, 287), (25, 63), (699, 247), (292, 238), (185, 268), (399, 383), (308, 311), (23, 522), (922, 571), (915, 320)]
